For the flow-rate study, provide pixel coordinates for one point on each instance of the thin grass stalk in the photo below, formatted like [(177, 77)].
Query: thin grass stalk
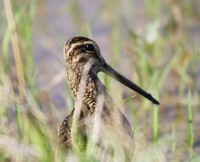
[(4, 60), (190, 119), (173, 136), (134, 116), (20, 123), (16, 48), (155, 123)]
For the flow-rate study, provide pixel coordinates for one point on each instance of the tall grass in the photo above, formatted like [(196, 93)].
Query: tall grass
[(190, 119), (161, 53), (16, 48)]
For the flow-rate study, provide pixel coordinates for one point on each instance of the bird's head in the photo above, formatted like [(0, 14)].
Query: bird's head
[(80, 50)]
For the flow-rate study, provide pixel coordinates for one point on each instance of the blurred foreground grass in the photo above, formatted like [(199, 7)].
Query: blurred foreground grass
[(162, 60)]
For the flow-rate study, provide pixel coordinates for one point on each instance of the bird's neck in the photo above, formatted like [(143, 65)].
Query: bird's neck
[(83, 79)]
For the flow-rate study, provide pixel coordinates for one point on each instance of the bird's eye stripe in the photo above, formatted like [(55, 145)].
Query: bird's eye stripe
[(71, 50), (77, 40)]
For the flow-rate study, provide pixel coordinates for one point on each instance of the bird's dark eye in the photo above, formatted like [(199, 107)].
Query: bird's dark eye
[(89, 48)]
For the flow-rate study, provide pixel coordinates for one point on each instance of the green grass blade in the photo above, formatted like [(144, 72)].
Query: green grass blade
[(155, 123)]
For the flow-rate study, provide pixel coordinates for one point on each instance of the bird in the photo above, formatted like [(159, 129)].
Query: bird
[(94, 115)]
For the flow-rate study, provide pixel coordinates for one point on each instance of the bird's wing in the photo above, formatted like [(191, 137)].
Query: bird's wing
[(64, 132)]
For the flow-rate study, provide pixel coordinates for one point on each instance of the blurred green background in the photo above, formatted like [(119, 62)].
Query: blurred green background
[(153, 43)]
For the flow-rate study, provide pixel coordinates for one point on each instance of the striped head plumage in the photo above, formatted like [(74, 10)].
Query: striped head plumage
[(78, 51)]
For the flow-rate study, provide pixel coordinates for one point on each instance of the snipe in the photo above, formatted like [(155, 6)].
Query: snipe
[(94, 112)]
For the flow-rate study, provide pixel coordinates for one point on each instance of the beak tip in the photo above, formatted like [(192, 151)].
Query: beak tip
[(153, 100), (156, 102)]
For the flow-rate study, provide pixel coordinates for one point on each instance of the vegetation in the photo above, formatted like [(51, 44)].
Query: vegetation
[(157, 44)]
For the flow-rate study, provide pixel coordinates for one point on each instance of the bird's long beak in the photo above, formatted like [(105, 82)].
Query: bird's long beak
[(114, 74)]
